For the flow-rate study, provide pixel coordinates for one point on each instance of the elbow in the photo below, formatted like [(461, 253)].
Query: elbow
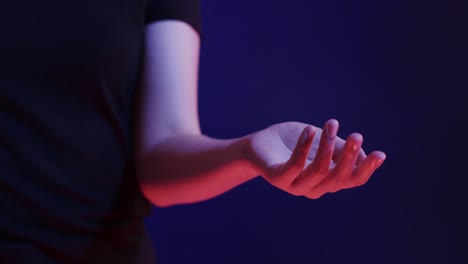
[(151, 189), (155, 196), (149, 186)]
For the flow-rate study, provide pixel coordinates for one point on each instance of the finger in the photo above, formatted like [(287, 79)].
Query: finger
[(339, 146), (319, 168), (301, 151), (344, 168), (318, 191), (340, 178), (367, 167), (362, 155), (327, 146), (314, 194), (359, 176)]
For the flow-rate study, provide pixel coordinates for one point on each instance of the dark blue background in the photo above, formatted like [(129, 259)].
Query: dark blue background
[(394, 71)]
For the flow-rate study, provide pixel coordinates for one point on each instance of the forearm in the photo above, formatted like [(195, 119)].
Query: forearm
[(191, 168)]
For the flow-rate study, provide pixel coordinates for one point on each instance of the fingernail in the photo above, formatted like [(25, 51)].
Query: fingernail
[(381, 158), (357, 138), (332, 128), (305, 135)]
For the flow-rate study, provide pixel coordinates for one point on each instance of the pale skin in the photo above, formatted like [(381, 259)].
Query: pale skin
[(178, 164)]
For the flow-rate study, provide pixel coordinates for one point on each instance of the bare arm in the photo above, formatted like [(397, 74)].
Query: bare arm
[(176, 164), (190, 168)]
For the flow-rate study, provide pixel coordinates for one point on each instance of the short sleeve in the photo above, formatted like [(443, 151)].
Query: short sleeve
[(188, 11)]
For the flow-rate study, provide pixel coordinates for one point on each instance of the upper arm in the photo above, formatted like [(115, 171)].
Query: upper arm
[(167, 99)]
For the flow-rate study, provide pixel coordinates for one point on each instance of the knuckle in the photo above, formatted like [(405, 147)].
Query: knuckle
[(295, 190), (295, 163), (328, 151), (321, 170), (336, 185), (304, 150), (296, 193), (296, 166), (360, 181), (299, 162), (313, 196), (349, 155), (277, 181)]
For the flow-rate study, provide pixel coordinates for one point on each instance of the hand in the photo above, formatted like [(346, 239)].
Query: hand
[(304, 160)]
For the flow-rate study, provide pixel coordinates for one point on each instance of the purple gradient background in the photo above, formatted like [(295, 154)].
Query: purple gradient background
[(391, 70)]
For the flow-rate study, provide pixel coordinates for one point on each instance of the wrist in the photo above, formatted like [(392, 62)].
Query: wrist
[(247, 155)]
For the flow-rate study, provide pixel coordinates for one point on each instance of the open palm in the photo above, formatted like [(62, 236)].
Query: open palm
[(304, 160)]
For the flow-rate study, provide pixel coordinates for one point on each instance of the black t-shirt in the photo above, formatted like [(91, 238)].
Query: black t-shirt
[(68, 75)]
